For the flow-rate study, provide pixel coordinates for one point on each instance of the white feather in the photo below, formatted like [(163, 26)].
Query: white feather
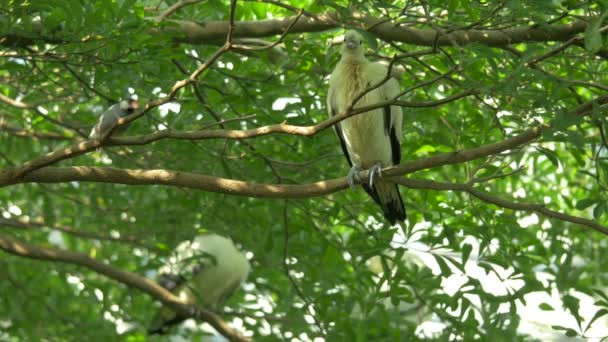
[(214, 268), (212, 282), (365, 135)]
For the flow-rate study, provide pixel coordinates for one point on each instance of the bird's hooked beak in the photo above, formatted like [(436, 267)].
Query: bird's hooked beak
[(351, 44)]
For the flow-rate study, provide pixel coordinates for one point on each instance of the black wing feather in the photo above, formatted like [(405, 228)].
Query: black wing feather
[(387, 119), (341, 137), (372, 193), (390, 131), (395, 147)]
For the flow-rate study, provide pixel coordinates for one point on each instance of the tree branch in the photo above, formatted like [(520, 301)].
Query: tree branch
[(26, 224), (129, 279), (215, 30), (28, 133), (14, 103), (484, 196), (175, 7), (90, 145), (241, 188)]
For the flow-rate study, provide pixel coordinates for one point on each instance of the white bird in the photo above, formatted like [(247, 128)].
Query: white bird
[(205, 271), (371, 140), (110, 117)]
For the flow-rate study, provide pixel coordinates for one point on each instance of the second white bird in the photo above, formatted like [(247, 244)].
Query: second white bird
[(205, 271)]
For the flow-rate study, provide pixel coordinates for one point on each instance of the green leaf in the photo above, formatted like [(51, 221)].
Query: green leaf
[(599, 209), (573, 305), (586, 203), (563, 119), (599, 313), (385, 5), (466, 252), (445, 269), (546, 307), (601, 294), (125, 7), (424, 149), (551, 155), (369, 37), (453, 5), (593, 37)]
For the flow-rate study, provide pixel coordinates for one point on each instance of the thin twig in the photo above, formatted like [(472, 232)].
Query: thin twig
[(175, 7), (484, 196), (279, 41), (132, 240), (231, 23), (293, 282), (225, 121), (86, 84)]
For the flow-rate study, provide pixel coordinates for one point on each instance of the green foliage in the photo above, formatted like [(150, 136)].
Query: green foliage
[(310, 257)]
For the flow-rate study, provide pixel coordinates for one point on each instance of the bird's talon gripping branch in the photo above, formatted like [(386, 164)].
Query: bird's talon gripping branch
[(353, 174), (375, 172)]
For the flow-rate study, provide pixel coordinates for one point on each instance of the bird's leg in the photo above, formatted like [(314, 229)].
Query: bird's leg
[(374, 172), (353, 174)]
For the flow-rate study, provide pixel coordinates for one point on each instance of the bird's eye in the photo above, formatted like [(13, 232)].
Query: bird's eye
[(360, 42)]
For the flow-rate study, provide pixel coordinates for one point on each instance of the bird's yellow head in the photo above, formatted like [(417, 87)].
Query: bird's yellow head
[(353, 44)]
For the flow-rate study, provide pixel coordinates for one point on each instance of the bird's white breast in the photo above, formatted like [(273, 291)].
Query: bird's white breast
[(210, 284), (365, 135)]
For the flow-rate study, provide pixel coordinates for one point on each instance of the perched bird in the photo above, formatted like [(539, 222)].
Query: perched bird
[(205, 271), (370, 140), (110, 117)]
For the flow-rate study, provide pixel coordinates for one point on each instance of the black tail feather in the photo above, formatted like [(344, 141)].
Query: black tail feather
[(389, 200)]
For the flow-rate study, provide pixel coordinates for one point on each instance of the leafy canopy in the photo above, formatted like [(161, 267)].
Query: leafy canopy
[(473, 74)]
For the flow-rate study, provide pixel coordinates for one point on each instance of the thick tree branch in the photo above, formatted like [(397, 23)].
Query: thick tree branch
[(484, 196), (215, 31), (84, 147), (241, 188), (465, 155), (90, 145), (210, 31), (12, 176), (14, 103), (129, 279)]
